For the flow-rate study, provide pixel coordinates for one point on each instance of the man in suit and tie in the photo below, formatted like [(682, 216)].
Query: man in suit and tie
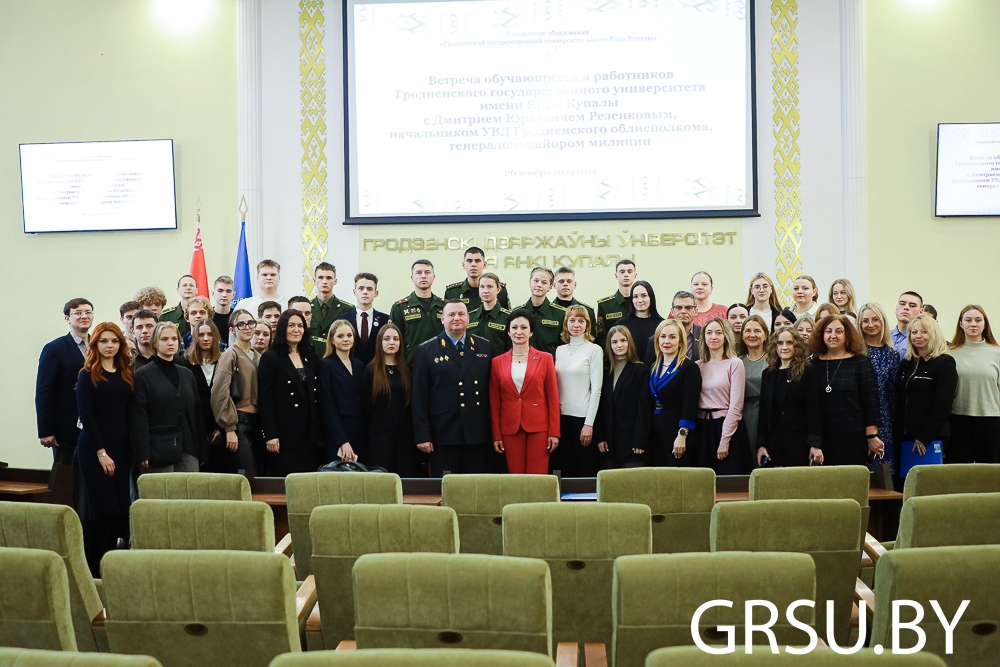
[(55, 386), (451, 406), (366, 320), (683, 309)]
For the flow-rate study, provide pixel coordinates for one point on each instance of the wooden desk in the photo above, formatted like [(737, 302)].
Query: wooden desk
[(22, 488)]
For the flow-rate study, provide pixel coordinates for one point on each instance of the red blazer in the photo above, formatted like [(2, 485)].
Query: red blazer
[(536, 407)]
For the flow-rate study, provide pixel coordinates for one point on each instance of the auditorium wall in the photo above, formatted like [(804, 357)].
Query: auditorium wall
[(929, 62), (104, 70)]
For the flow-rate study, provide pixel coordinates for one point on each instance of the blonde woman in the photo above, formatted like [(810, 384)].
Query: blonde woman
[(580, 377), (885, 362), (668, 404), (721, 441), (340, 395), (842, 294), (925, 387), (762, 299), (805, 293), (975, 421)]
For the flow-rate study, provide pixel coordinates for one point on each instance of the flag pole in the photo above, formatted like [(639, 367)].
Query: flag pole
[(241, 276)]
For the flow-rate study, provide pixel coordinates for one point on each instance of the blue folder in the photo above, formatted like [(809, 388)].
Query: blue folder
[(910, 458)]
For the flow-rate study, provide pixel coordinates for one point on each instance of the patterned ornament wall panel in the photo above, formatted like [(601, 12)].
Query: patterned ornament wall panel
[(312, 72)]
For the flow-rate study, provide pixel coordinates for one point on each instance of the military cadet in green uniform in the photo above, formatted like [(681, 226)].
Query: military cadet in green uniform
[(474, 264), (489, 321), (613, 308), (187, 287), (326, 307), (565, 285), (548, 318), (418, 315)]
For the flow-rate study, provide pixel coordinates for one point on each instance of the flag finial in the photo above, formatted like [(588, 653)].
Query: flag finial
[(243, 209), (199, 211)]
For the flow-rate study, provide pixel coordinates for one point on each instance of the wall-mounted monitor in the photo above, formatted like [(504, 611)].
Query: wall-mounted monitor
[(968, 170), (98, 186)]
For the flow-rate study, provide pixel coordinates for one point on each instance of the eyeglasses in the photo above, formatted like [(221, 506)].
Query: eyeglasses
[(81, 313), (243, 326)]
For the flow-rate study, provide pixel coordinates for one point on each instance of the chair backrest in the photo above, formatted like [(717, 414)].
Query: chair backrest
[(963, 519), (656, 597), (479, 501), (57, 528), (580, 542), (681, 500), (694, 657), (306, 491), (342, 533), (421, 657), (34, 612), (827, 530), (202, 524), (201, 607), (939, 480), (12, 657), (948, 575), (194, 486), (459, 601), (813, 483)]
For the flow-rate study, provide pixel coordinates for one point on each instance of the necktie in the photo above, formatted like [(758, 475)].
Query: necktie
[(460, 347), (364, 329)]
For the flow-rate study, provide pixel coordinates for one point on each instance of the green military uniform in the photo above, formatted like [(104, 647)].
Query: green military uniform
[(319, 345), (470, 295), (559, 303), (491, 325), (548, 326), (175, 314), (417, 322), (609, 311), (325, 314)]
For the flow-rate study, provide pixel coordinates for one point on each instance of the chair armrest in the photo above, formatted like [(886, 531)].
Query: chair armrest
[(305, 598), (314, 623), (284, 547), (862, 592), (566, 654), (873, 548), (99, 620), (595, 655), (347, 645)]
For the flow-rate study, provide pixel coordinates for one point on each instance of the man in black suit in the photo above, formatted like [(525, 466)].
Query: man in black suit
[(366, 320), (451, 400), (55, 386), (683, 309)]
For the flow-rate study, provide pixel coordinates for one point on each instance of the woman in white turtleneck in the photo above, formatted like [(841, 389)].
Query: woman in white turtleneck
[(580, 374)]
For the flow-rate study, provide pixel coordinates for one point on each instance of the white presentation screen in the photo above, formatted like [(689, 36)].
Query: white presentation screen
[(533, 110), (98, 186), (968, 169)]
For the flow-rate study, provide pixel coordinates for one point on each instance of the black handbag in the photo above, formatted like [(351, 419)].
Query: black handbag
[(349, 466), (235, 392), (165, 446)]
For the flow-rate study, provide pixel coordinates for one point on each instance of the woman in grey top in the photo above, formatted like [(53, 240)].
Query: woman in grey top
[(243, 448), (752, 345)]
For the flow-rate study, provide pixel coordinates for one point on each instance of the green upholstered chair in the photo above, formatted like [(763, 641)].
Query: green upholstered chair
[(939, 480), (950, 521), (827, 530), (34, 601), (452, 601), (692, 656), (194, 486), (194, 608), (813, 483), (655, 598), (57, 528), (308, 490), (681, 500), (970, 573), (580, 542), (11, 657), (342, 533), (479, 501), (202, 524), (427, 657)]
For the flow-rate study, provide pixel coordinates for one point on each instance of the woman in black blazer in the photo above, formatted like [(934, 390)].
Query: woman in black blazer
[(165, 421), (340, 399), (385, 402), (287, 399), (625, 377), (668, 400), (790, 422)]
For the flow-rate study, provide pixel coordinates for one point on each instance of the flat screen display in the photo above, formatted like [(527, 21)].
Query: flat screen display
[(968, 169)]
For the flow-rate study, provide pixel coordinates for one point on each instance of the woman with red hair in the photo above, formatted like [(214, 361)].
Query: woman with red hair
[(104, 452)]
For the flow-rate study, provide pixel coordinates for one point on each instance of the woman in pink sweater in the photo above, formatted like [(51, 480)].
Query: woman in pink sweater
[(722, 437)]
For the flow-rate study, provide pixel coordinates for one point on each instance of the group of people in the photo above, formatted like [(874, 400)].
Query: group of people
[(467, 383)]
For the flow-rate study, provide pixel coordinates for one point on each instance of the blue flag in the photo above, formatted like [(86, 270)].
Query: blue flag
[(242, 274)]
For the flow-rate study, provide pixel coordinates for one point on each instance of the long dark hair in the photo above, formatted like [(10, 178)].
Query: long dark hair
[(280, 341), (380, 376), (799, 359), (652, 299), (123, 362)]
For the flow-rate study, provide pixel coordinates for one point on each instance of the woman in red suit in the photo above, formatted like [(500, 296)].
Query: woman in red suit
[(524, 400)]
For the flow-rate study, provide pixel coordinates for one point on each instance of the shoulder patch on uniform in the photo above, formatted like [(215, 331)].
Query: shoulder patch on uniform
[(428, 341), (505, 310), (585, 305), (401, 301), (556, 305), (458, 284), (607, 298), (167, 310)]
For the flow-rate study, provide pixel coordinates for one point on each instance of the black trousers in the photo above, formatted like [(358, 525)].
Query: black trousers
[(459, 459), (571, 457), (395, 453), (973, 440), (101, 536)]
